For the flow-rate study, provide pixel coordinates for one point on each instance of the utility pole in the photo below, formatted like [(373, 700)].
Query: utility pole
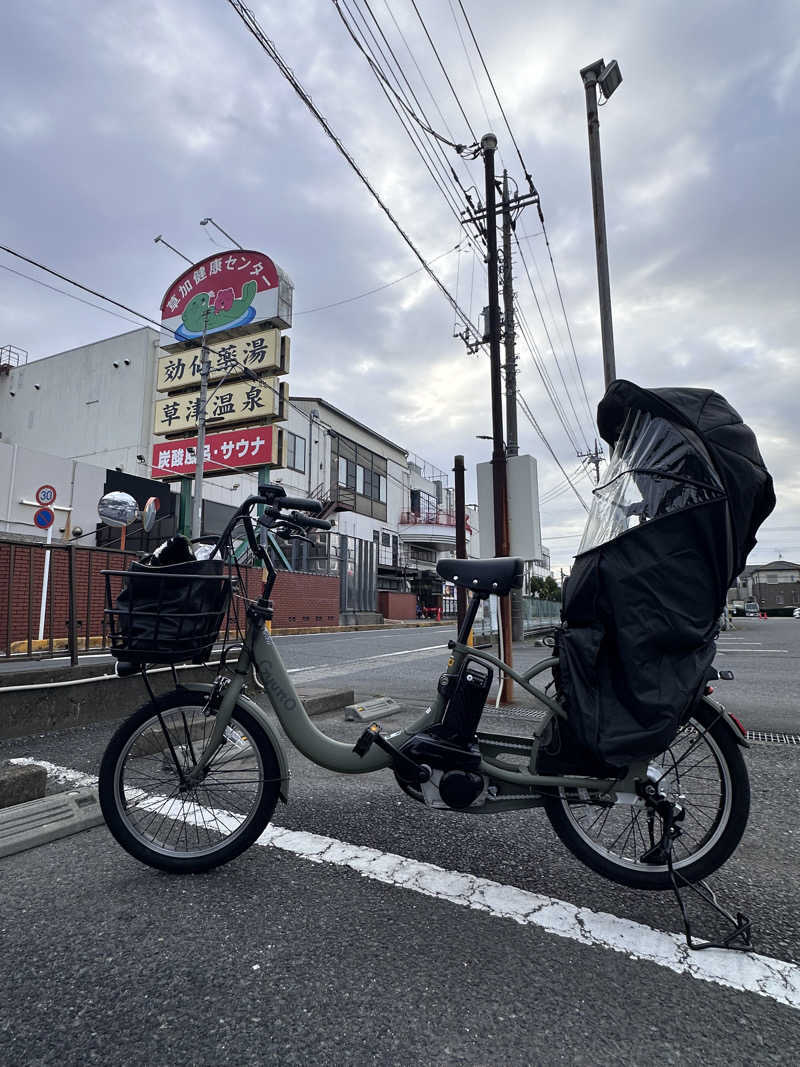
[(594, 458), (608, 78), (488, 147), (512, 442), (199, 456), (461, 535)]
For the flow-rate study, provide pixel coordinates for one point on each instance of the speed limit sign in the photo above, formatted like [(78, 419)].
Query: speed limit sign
[(45, 495)]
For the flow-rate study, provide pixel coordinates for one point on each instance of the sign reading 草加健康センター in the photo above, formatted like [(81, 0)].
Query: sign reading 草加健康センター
[(265, 353), (220, 294)]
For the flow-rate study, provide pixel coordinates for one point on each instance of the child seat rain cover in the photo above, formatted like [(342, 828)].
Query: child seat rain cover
[(667, 534)]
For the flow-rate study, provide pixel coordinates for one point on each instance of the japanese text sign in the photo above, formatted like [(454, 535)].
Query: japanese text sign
[(231, 403), (222, 293), (260, 352), (225, 453)]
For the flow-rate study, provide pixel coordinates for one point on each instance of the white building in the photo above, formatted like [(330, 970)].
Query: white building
[(84, 419)]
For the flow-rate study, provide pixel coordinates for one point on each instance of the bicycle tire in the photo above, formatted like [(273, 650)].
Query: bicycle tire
[(149, 814), (692, 863)]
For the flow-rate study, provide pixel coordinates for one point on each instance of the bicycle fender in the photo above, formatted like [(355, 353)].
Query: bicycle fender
[(739, 737), (259, 714)]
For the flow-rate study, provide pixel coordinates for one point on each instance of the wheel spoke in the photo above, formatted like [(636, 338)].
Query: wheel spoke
[(167, 813), (691, 772)]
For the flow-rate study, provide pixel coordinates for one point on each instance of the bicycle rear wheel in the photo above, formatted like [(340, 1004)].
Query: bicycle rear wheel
[(168, 823), (703, 770)]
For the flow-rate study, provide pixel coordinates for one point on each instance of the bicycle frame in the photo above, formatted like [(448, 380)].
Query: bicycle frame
[(339, 756), (513, 786)]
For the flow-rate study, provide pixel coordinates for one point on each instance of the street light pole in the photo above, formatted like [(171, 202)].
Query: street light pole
[(608, 78), (488, 147), (199, 456)]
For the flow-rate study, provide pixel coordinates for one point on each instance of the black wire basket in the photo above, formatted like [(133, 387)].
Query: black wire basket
[(167, 614)]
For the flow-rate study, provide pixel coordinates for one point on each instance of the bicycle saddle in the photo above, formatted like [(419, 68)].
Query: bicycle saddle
[(483, 576)]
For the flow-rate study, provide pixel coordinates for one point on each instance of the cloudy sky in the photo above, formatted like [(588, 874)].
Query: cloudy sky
[(123, 121)]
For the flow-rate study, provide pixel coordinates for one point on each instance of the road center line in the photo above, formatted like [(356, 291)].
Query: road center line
[(366, 659), (745, 972)]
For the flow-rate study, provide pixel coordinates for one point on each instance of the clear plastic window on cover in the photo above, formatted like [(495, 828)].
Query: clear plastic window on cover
[(653, 471)]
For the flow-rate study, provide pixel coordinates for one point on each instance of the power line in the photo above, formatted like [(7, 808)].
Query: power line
[(497, 98), (429, 161), (444, 71), (550, 342), (250, 21), (246, 371), (529, 178), (378, 288), (385, 81), (529, 415)]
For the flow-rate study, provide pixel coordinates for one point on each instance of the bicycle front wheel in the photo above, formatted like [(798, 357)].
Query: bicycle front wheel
[(702, 770), (160, 817)]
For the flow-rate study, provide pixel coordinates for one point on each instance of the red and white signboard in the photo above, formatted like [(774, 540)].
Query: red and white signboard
[(230, 452), (45, 495), (225, 292)]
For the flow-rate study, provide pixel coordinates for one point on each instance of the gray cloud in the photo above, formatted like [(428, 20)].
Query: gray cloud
[(121, 122)]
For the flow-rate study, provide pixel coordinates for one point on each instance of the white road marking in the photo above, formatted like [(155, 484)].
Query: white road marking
[(752, 651), (745, 972), (344, 666)]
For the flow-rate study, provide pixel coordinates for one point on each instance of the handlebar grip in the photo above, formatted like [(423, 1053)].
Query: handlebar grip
[(300, 503), (311, 524)]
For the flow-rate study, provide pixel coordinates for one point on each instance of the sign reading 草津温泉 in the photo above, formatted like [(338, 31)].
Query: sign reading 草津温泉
[(223, 293), (265, 353), (234, 450), (229, 404)]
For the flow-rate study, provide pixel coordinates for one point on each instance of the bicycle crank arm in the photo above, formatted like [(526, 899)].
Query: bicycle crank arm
[(405, 767)]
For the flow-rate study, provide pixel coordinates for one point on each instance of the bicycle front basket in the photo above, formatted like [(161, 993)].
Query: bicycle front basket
[(167, 614)]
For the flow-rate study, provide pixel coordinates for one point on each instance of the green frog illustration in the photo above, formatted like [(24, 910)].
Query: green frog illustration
[(226, 311)]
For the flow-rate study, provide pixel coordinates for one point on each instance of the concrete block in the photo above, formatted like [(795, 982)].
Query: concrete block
[(324, 701), (20, 784), (40, 821), (372, 710)]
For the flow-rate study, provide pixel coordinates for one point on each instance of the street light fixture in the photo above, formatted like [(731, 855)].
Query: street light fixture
[(205, 222), (608, 77)]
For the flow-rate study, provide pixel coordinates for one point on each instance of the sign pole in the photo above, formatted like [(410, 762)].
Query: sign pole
[(45, 579), (199, 455)]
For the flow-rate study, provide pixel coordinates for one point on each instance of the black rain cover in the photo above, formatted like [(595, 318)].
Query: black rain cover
[(641, 609)]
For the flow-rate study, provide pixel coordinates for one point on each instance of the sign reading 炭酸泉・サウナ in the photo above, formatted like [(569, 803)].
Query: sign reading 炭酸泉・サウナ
[(225, 453), (222, 293)]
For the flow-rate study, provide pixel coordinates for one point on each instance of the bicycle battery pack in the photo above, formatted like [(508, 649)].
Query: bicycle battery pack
[(466, 695)]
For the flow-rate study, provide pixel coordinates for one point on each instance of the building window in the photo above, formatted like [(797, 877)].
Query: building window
[(385, 539), (296, 453), (360, 472)]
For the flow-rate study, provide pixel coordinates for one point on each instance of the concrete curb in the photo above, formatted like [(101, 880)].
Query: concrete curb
[(21, 784)]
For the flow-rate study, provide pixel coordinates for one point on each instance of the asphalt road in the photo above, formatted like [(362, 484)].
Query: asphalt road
[(275, 959)]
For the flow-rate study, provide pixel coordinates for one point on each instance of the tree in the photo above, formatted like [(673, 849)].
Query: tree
[(547, 588)]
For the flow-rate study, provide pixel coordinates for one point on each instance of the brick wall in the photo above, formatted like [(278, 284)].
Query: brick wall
[(301, 600), (397, 605), (21, 573)]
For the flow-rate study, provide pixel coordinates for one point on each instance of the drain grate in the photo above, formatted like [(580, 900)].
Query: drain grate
[(773, 738)]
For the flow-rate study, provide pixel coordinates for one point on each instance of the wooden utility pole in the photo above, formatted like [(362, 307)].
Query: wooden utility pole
[(488, 147), (461, 535), (512, 439)]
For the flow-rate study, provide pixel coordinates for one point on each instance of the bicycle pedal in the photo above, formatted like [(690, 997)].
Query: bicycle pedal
[(365, 742)]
